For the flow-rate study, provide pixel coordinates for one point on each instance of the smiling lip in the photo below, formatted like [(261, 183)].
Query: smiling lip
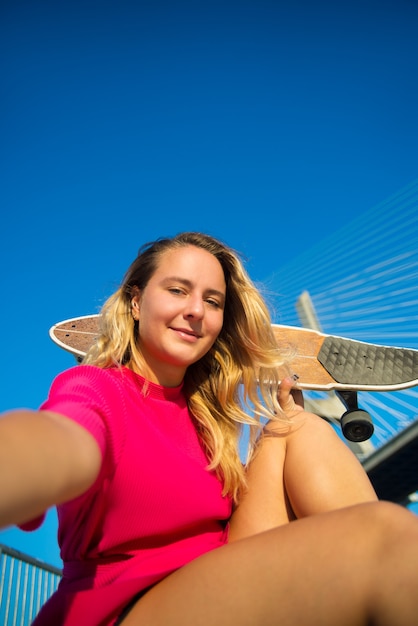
[(187, 333)]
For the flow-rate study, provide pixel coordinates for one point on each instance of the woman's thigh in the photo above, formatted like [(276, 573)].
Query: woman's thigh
[(329, 569)]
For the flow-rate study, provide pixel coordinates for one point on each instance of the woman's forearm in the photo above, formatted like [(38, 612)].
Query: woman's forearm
[(45, 459)]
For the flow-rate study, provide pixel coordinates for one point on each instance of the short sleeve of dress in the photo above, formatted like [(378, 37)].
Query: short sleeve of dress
[(93, 398), (89, 395)]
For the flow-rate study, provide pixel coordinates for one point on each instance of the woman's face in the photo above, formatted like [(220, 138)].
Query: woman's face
[(180, 312)]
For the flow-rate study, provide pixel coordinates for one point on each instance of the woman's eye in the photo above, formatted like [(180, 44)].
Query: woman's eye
[(176, 290)]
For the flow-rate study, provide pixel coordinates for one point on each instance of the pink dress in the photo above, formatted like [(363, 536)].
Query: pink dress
[(154, 506)]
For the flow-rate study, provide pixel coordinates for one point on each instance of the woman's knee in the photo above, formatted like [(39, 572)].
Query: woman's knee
[(387, 521)]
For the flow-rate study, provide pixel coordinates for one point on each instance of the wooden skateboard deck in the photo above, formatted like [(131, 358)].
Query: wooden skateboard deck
[(322, 362)]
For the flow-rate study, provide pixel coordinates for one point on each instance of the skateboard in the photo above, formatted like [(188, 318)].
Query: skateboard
[(322, 362)]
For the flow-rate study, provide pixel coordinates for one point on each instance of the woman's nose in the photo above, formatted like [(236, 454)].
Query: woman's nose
[(194, 308)]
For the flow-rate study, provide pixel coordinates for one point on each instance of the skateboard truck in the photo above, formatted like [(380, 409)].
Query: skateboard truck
[(356, 424)]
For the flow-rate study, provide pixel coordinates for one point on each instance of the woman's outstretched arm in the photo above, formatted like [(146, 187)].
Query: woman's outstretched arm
[(45, 459)]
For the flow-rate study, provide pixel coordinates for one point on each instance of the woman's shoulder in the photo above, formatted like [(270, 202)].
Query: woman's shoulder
[(94, 397), (93, 384), (92, 374)]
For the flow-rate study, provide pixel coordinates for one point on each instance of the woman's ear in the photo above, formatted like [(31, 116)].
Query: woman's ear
[(135, 304)]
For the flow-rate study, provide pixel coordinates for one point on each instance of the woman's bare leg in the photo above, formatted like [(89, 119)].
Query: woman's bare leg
[(298, 473), (349, 567)]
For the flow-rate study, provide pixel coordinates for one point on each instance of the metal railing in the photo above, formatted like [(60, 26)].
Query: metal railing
[(25, 585)]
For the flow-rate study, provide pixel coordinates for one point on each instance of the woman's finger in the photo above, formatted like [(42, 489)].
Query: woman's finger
[(290, 399)]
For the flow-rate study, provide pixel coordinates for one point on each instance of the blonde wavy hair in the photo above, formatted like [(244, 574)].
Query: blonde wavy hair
[(235, 383)]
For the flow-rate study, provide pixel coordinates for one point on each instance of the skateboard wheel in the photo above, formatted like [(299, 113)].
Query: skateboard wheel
[(357, 425)]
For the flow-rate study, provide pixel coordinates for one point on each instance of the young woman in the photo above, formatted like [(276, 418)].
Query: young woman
[(160, 522)]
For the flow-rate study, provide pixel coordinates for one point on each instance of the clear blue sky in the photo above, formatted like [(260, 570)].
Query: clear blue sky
[(264, 123)]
